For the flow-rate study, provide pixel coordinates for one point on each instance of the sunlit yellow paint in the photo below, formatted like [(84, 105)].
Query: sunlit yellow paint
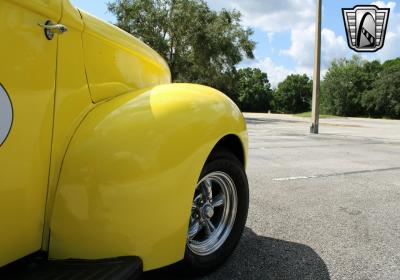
[(104, 153), (129, 175), (72, 98), (27, 72), (118, 63)]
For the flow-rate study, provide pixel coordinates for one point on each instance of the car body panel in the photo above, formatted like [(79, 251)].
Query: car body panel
[(27, 72), (48, 9), (117, 63), (130, 173), (104, 153), (72, 99)]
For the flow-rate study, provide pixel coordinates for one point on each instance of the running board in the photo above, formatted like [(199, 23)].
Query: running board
[(122, 268)]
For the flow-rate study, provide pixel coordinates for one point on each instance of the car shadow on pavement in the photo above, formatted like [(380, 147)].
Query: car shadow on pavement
[(258, 257)]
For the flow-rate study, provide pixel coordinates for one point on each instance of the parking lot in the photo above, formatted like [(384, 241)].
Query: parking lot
[(322, 206)]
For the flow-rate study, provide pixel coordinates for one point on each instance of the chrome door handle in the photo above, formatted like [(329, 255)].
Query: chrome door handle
[(50, 29)]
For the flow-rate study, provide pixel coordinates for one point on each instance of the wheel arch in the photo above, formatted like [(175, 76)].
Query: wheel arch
[(234, 145), (127, 157)]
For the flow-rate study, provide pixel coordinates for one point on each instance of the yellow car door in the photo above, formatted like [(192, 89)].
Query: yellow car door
[(27, 86)]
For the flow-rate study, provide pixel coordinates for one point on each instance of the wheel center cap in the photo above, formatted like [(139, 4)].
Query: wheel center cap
[(208, 211)]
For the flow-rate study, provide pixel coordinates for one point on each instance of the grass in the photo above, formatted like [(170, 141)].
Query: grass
[(308, 115)]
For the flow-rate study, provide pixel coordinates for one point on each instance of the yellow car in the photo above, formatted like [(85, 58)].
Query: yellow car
[(104, 164)]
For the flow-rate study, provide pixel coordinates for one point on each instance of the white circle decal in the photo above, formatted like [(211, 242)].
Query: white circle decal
[(6, 114)]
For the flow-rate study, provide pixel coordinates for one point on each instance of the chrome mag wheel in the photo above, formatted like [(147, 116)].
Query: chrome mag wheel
[(213, 213)]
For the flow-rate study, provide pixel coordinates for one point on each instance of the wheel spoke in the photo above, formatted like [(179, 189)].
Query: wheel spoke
[(207, 189), (209, 227), (194, 230), (197, 199), (214, 212), (196, 202), (218, 201)]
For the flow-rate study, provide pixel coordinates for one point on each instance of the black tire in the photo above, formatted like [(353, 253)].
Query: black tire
[(222, 161)]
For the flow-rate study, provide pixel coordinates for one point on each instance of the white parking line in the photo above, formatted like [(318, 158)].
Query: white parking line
[(335, 174)]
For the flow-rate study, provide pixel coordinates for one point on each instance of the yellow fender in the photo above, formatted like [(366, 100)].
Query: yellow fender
[(129, 174)]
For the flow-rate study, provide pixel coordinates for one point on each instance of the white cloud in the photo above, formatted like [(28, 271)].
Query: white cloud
[(302, 52), (333, 47), (302, 48), (272, 15), (270, 36), (298, 17), (391, 48), (276, 73), (382, 4)]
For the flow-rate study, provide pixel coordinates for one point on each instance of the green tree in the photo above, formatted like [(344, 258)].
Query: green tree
[(383, 100), (254, 90), (199, 44), (345, 83), (389, 63), (293, 95)]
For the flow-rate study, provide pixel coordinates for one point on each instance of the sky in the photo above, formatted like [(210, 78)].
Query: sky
[(284, 32)]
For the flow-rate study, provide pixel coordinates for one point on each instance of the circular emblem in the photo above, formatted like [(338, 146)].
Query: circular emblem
[(6, 115)]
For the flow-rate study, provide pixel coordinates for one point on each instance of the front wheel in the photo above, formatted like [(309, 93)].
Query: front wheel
[(219, 213)]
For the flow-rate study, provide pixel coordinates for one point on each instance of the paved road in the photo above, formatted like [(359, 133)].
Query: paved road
[(322, 206)]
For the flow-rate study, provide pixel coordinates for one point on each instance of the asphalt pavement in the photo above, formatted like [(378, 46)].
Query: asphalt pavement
[(322, 206)]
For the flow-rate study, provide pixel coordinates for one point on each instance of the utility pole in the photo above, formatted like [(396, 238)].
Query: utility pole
[(317, 71)]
